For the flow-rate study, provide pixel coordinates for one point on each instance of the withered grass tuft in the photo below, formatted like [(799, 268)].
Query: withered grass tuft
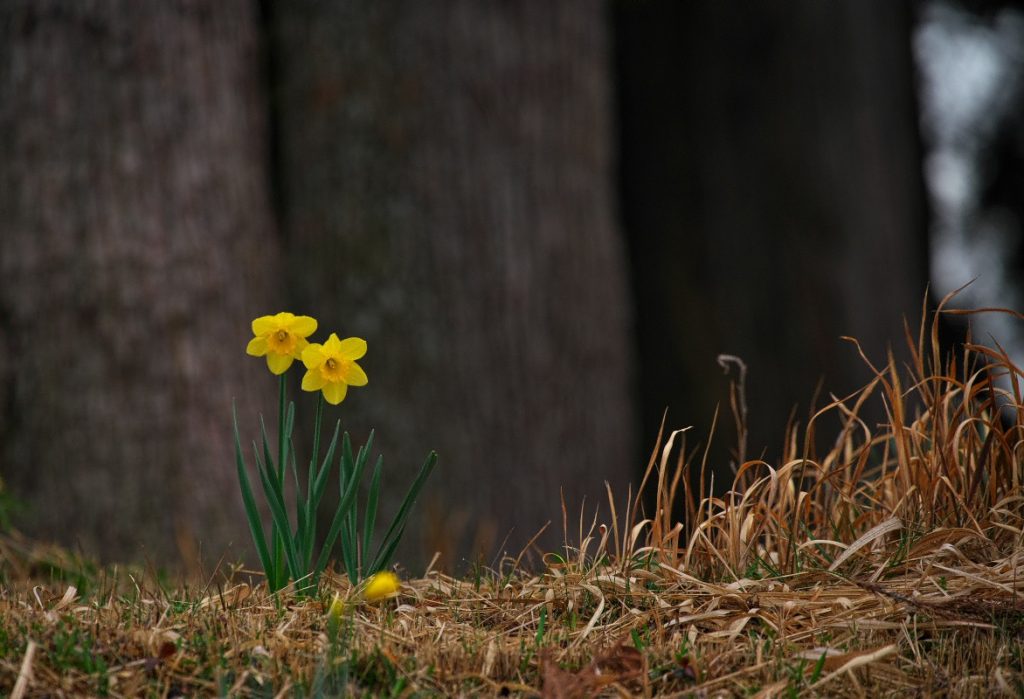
[(891, 564)]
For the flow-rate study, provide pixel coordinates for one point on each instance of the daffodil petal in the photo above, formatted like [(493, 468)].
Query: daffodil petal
[(352, 348), (264, 325), (313, 380), (279, 363), (300, 346), (335, 392), (303, 326), (313, 355), (257, 347), (332, 345), (355, 376)]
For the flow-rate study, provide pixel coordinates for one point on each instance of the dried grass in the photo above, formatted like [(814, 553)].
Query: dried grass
[(891, 564)]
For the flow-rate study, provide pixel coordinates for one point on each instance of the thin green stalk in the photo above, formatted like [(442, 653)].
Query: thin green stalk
[(281, 436), (310, 505), (278, 536)]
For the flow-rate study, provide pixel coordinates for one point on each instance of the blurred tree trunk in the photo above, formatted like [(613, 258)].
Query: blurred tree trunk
[(135, 246), (773, 196), (446, 173)]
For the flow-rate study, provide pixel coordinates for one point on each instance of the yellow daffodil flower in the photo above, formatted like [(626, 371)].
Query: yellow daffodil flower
[(281, 338), (382, 586), (331, 367)]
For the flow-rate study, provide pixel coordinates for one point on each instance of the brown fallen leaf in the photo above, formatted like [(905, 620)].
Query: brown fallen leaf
[(620, 663)]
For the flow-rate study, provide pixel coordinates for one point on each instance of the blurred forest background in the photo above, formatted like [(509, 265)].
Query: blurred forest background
[(547, 219)]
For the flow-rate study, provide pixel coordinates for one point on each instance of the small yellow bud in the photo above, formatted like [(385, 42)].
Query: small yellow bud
[(334, 614), (336, 609), (382, 586)]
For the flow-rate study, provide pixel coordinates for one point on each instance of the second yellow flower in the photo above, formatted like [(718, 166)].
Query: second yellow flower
[(331, 367)]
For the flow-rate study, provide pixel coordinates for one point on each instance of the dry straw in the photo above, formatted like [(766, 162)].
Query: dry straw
[(890, 564)]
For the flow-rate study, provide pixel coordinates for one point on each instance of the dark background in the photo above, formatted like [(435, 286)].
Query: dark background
[(547, 220)]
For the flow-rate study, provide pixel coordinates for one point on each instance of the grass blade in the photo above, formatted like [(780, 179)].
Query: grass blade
[(818, 667), (394, 532), (349, 552), (370, 518), (251, 512), (364, 452), (275, 498), (384, 553), (301, 510), (325, 468), (280, 515), (346, 460), (349, 545), (347, 498), (278, 535), (311, 477)]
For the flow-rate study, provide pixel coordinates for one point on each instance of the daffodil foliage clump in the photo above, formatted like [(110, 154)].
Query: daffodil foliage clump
[(290, 555)]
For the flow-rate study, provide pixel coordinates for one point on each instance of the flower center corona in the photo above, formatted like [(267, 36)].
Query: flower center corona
[(335, 369), (282, 342)]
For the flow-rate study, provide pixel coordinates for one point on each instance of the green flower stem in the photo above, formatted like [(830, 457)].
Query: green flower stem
[(281, 436), (278, 536), (311, 480)]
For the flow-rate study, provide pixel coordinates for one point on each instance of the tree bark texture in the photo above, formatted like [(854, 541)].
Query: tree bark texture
[(773, 199), (446, 186), (136, 243)]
